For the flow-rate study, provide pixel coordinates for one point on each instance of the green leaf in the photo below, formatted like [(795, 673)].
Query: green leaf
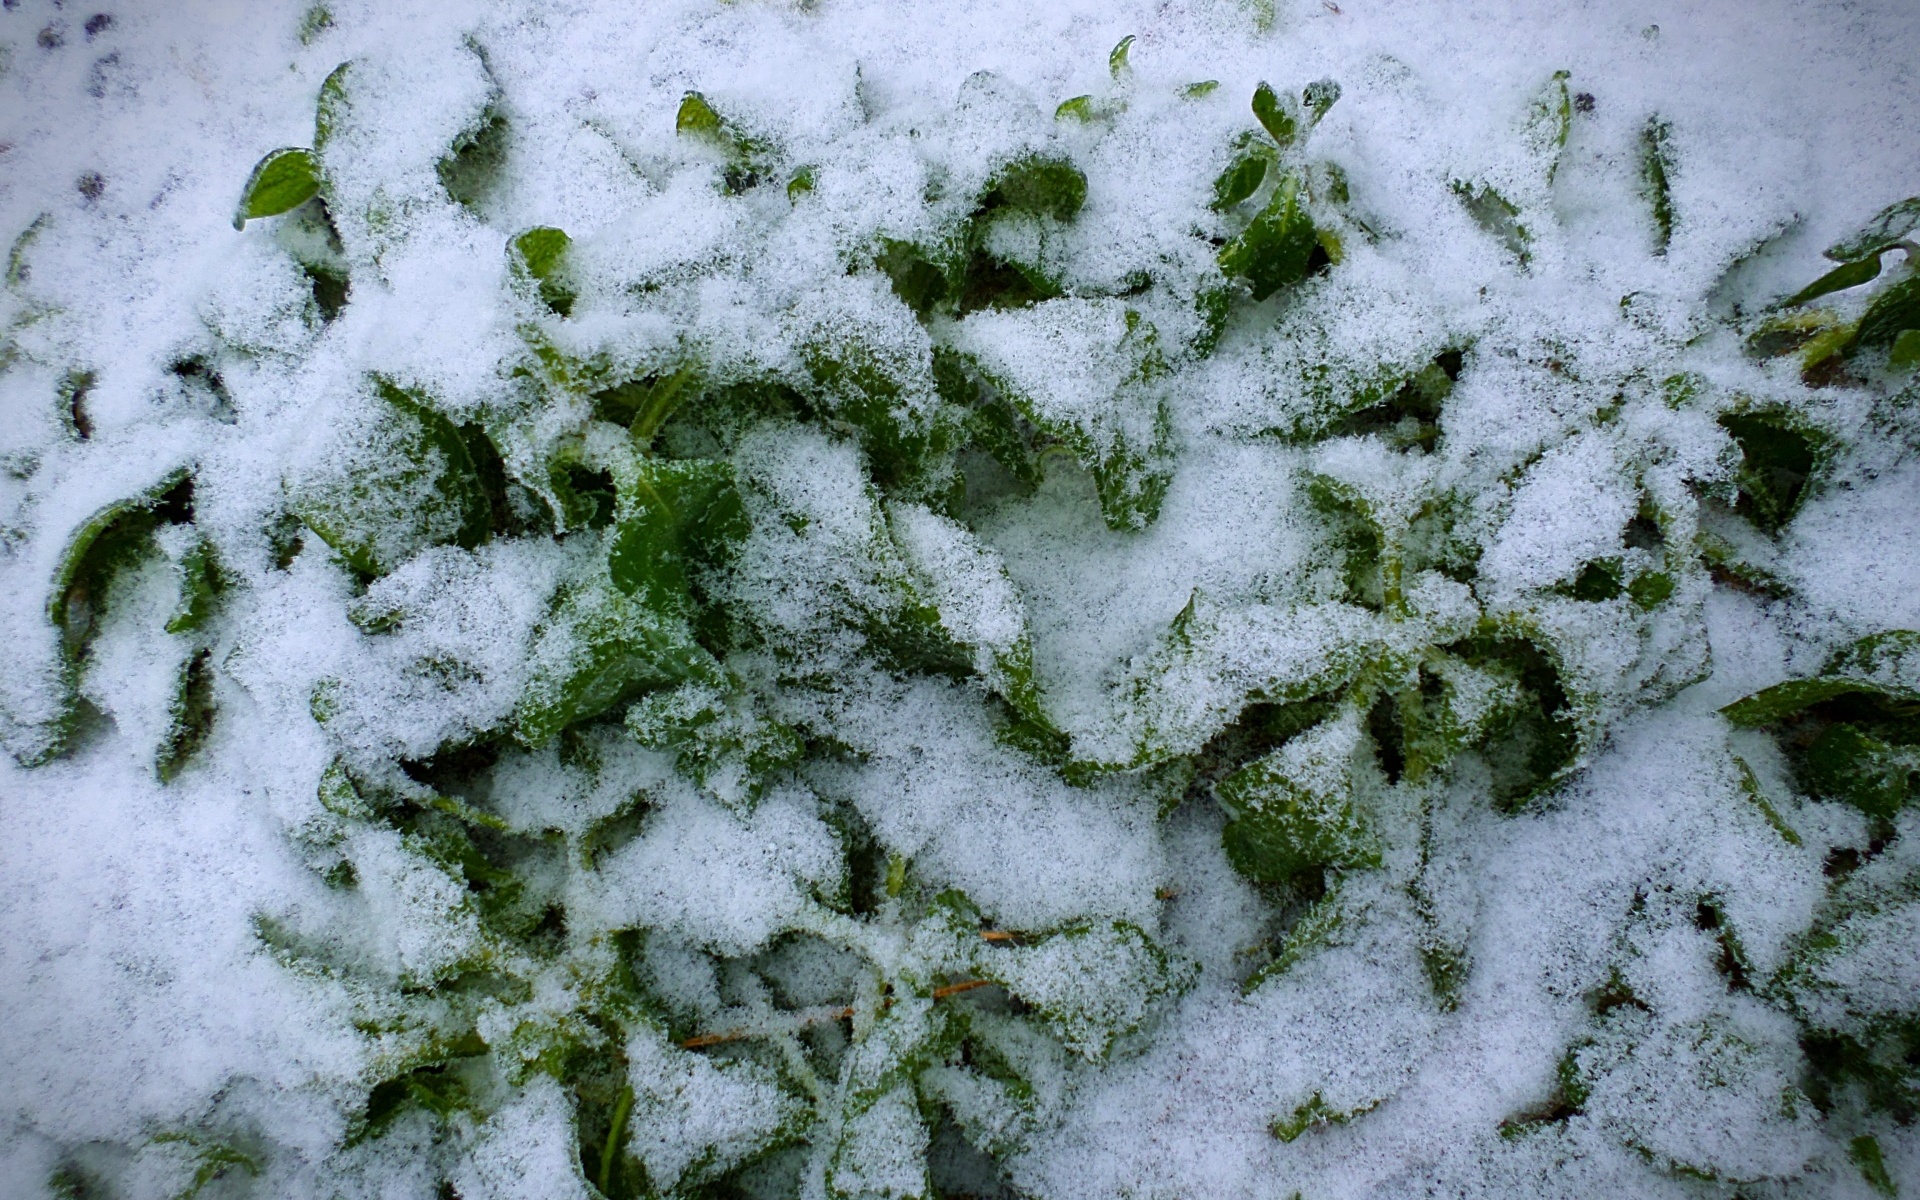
[(1750, 788), (1859, 936), (698, 119), (1851, 733), (1455, 706), (1533, 737), (1651, 590), (1132, 483), (644, 405), (1083, 109), (1316, 927), (917, 279), (283, 180), (413, 484), (799, 183), (1598, 581), (965, 585), (1277, 248), (200, 585), (904, 1039), (332, 107), (340, 795), (995, 1114), (695, 1118), (1846, 275), (992, 424), (1042, 186), (212, 1160), (1292, 810), (681, 511), (586, 498), (1131, 478), (991, 281), (471, 169), (1278, 117), (1318, 97), (539, 255), (317, 20), (1906, 349), (110, 539), (1890, 657), (1785, 332), (879, 393), (1198, 681), (616, 1139), (1241, 179), (1847, 763), (598, 648), (437, 1088), (1117, 59), (1447, 967), (910, 639), (1865, 1149), (330, 289), (1656, 170), (1091, 984), (1778, 454), (1212, 305), (881, 1151), (1498, 217), (1887, 227), (1195, 91), (17, 268), (719, 738), (1004, 255), (1825, 349), (1894, 310), (190, 718), (1550, 121), (1782, 700)]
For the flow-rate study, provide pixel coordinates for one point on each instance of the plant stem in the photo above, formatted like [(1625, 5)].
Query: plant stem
[(615, 1131)]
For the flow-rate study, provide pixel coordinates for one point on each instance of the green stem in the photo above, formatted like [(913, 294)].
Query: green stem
[(1392, 597), (615, 1133), (662, 399)]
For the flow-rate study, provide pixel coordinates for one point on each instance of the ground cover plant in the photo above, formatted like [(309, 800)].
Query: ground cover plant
[(749, 599)]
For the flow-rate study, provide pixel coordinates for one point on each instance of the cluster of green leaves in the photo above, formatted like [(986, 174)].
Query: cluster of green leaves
[(1851, 734), (1280, 241), (1327, 767), (1844, 982), (940, 1021), (961, 1030), (1853, 731), (1397, 705), (1824, 340), (1005, 255), (631, 463)]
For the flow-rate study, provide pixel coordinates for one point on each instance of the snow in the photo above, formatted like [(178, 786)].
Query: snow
[(885, 850)]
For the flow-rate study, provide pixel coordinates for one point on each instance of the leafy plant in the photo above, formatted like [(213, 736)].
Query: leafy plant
[(596, 834)]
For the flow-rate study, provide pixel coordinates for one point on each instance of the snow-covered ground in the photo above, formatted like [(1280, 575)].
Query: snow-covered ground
[(1059, 600)]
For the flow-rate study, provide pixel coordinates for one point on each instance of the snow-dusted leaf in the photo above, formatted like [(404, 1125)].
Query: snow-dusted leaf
[(282, 181), (403, 481)]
